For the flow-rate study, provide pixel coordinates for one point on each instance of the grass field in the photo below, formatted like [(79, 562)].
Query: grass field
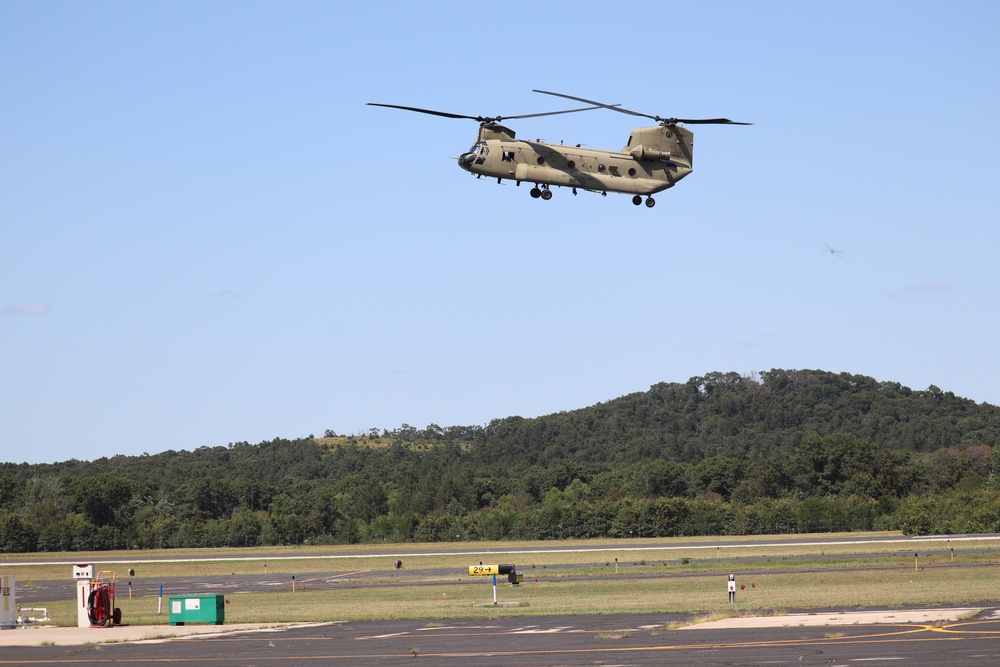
[(668, 578)]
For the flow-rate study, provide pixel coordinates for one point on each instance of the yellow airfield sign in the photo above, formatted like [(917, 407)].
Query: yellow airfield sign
[(486, 570)]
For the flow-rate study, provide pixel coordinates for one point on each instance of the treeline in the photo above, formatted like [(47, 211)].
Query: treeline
[(783, 452)]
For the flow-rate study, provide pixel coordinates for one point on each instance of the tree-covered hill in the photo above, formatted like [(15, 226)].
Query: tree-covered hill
[(725, 413), (725, 453)]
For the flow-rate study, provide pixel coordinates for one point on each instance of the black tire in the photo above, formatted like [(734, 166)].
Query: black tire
[(99, 607)]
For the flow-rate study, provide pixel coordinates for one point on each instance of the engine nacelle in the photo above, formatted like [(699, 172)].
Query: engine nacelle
[(647, 154)]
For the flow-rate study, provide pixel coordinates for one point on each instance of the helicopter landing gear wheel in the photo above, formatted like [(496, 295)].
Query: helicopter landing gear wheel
[(546, 194), (637, 200), (535, 193), (650, 202)]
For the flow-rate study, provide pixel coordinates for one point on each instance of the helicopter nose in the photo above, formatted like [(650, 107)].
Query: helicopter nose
[(466, 159)]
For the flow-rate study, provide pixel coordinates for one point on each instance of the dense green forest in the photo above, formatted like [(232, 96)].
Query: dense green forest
[(779, 452)]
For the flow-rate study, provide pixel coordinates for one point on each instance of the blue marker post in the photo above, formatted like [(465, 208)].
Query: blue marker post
[(494, 589), (159, 603)]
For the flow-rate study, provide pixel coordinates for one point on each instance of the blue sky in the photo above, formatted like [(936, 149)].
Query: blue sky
[(207, 237)]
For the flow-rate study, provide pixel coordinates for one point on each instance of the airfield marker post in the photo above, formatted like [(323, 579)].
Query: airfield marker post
[(493, 570)]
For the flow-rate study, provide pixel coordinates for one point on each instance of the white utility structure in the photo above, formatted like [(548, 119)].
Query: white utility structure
[(8, 607), (84, 575)]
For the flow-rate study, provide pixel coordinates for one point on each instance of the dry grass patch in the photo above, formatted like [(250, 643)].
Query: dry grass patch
[(472, 598)]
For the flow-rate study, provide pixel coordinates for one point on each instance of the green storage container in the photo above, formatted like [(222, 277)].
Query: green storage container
[(197, 609)]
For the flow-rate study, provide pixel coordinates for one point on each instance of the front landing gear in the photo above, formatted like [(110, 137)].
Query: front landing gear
[(650, 202), (542, 192)]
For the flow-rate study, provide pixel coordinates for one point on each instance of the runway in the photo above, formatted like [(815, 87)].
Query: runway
[(65, 589), (904, 542), (646, 639)]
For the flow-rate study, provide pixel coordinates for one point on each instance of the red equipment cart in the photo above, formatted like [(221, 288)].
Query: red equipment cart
[(101, 602)]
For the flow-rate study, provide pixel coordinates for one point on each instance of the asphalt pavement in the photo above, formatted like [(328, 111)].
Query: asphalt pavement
[(969, 636)]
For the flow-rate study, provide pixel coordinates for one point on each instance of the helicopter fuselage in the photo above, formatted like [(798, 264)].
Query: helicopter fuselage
[(655, 159)]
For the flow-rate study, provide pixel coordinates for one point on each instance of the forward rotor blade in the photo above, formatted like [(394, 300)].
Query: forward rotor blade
[(481, 119), (706, 121), (428, 111)]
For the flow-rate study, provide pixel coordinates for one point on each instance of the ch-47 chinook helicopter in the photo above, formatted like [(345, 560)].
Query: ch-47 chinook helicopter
[(654, 158)]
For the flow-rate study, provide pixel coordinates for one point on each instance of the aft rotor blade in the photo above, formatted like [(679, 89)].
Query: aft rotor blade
[(659, 119), (613, 107)]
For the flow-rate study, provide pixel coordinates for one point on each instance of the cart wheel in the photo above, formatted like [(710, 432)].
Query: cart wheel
[(117, 617)]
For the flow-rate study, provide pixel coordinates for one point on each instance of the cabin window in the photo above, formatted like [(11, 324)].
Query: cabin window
[(601, 168), (570, 164), (631, 171), (508, 156), (484, 151), (540, 160)]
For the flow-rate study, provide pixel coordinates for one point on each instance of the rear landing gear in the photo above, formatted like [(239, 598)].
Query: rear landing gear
[(542, 192), (650, 202), (637, 200)]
